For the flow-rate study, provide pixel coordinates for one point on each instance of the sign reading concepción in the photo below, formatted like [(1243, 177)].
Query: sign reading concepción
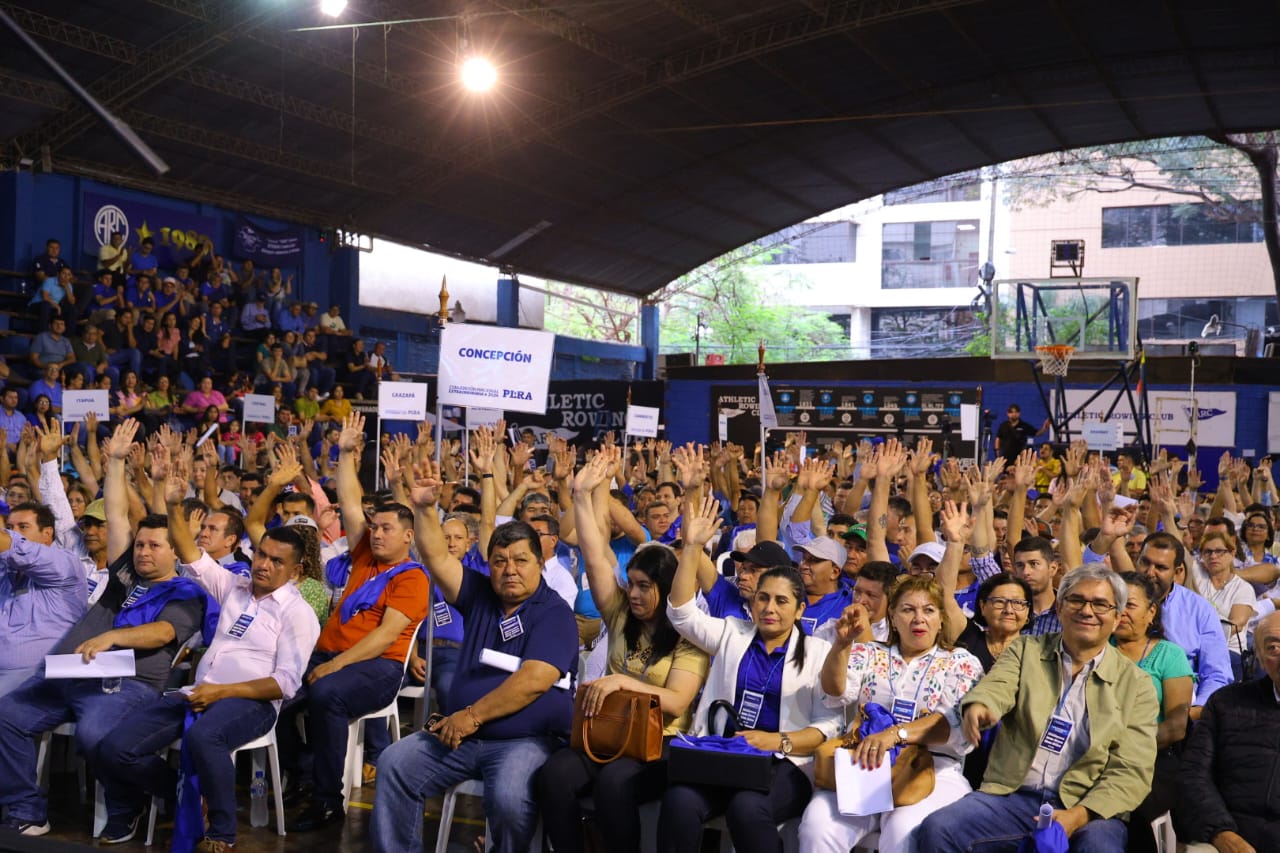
[(490, 367)]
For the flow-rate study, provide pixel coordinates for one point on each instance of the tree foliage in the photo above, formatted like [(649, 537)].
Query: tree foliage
[(740, 307), (608, 317)]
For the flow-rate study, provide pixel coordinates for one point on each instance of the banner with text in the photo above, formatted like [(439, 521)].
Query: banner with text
[(402, 401), (177, 234), (259, 408), (642, 421), (281, 248), (832, 413), (582, 411), (76, 403), (1170, 416), (491, 367)]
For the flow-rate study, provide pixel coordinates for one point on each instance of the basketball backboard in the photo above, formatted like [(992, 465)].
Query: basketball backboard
[(1097, 316)]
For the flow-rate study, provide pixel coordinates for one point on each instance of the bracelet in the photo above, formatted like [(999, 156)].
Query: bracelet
[(486, 476), (474, 718)]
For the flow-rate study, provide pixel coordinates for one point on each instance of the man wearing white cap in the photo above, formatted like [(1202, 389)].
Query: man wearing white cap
[(925, 558), (821, 564)]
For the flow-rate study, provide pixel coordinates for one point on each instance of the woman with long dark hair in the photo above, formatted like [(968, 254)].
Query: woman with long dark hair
[(646, 654), (768, 670)]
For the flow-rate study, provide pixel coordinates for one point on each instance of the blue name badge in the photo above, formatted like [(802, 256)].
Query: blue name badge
[(511, 628), (138, 592), (1055, 736), (441, 615), (242, 624), (750, 707), (808, 625), (904, 711)]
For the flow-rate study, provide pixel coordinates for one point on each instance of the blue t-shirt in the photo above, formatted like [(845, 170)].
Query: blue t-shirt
[(542, 628), (758, 695), (142, 263), (829, 607), (724, 601)]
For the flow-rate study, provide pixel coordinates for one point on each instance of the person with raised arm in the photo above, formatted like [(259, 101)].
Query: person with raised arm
[(507, 710), (767, 669), (646, 654), (358, 663)]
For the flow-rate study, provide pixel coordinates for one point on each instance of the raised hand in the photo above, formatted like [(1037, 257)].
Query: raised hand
[(690, 466), (853, 623), (701, 523), (957, 523), (1076, 454), (820, 474), (890, 459), (777, 473), (922, 456), (175, 489), (49, 441), (390, 464), (121, 440), (352, 437), (1024, 469), (287, 468), (424, 488), (482, 447), (595, 472)]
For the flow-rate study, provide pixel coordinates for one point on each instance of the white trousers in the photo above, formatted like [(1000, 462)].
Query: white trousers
[(824, 830)]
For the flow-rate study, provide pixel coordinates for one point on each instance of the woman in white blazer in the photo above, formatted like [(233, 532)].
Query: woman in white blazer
[(770, 672)]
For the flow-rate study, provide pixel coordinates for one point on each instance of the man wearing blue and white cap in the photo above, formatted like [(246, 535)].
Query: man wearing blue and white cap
[(821, 566)]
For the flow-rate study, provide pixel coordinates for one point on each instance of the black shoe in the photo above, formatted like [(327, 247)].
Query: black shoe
[(315, 816), (120, 829), (296, 795)]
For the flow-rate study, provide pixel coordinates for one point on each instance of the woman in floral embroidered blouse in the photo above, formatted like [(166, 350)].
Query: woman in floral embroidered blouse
[(920, 680)]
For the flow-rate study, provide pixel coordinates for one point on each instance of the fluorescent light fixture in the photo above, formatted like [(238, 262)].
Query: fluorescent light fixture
[(333, 8), (478, 74), (527, 234), (966, 226)]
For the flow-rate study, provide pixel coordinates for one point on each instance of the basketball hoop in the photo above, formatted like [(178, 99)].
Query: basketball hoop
[(1054, 358)]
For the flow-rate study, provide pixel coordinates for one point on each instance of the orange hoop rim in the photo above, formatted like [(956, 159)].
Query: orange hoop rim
[(1056, 350)]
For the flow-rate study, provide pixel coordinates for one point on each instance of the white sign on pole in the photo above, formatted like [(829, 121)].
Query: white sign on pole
[(76, 403), (402, 401), (642, 421), (486, 367), (968, 422), (1273, 422), (724, 427), (1101, 436), (483, 417), (259, 408)]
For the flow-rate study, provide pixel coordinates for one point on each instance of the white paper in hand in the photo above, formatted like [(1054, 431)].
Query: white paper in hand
[(862, 792), (117, 664)]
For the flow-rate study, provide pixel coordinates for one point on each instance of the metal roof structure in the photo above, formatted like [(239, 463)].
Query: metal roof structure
[(627, 141)]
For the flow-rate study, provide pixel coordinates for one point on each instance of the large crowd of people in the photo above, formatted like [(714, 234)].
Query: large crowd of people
[(1049, 630)]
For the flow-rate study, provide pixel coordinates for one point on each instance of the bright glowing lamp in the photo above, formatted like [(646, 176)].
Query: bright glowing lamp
[(333, 8), (478, 74)]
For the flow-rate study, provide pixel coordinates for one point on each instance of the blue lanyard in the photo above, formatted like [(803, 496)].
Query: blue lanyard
[(764, 686), (893, 690)]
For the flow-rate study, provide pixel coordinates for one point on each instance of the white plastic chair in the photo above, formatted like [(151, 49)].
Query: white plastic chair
[(421, 693), (268, 743), (43, 757), (353, 764), (470, 788)]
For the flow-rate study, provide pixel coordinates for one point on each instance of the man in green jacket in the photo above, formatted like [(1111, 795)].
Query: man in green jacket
[(1077, 731)]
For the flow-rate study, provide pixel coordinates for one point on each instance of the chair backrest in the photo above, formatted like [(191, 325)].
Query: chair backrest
[(408, 653)]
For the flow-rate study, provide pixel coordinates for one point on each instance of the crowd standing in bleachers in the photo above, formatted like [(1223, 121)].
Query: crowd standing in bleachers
[(1046, 630)]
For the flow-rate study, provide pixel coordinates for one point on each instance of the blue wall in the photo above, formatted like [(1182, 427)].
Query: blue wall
[(35, 207)]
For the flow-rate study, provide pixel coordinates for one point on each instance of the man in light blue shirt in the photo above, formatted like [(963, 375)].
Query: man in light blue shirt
[(42, 593), (1189, 619), (11, 420)]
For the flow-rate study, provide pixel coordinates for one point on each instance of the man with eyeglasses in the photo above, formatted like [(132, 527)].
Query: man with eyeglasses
[(1189, 620), (554, 570), (1077, 731), (727, 598)]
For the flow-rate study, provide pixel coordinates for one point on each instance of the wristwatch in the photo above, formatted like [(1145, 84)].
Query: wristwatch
[(787, 745), (902, 735)]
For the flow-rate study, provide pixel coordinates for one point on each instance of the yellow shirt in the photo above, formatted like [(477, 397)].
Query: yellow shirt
[(335, 410), (637, 663)]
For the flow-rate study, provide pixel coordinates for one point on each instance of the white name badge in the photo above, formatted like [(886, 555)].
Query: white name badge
[(750, 707), (242, 624), (441, 615), (511, 628), (904, 711), (1055, 736), (138, 592)]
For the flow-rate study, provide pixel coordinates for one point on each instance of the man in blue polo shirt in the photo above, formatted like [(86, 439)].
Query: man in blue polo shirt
[(821, 565), (501, 724), (726, 597)]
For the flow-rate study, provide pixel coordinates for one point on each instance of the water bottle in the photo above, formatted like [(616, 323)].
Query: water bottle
[(258, 800), (111, 685), (1043, 822)]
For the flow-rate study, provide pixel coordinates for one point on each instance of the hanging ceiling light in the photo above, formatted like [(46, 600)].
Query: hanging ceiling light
[(478, 74), (333, 8)]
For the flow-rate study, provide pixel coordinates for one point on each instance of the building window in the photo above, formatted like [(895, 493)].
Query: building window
[(929, 254), (815, 243), (944, 189), (1176, 225)]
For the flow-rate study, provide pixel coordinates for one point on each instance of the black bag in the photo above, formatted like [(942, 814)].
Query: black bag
[(690, 766)]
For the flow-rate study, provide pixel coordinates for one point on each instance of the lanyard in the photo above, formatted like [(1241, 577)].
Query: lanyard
[(764, 685), (893, 690)]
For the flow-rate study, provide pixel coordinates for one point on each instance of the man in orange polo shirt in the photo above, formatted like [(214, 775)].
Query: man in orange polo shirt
[(358, 663)]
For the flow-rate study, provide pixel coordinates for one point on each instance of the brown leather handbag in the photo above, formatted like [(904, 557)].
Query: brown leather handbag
[(913, 775), (628, 725)]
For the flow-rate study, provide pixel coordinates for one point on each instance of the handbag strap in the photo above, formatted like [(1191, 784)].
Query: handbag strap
[(586, 745), (731, 726)]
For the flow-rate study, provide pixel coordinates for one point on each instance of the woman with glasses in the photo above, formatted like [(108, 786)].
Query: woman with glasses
[(1139, 636), (1258, 538), (1214, 577), (920, 679)]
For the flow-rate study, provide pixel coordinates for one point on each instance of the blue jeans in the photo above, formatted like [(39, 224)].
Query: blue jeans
[(127, 359), (131, 769), (420, 767), (990, 823), (444, 666), (39, 706), (332, 702)]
